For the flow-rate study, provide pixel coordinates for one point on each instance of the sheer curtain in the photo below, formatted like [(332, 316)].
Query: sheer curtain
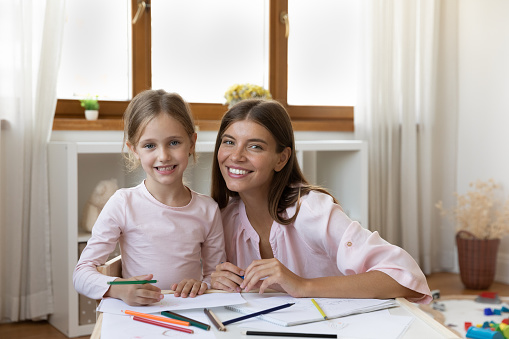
[(30, 45), (406, 111)]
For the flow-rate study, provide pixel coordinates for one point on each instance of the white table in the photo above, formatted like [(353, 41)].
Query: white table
[(422, 327)]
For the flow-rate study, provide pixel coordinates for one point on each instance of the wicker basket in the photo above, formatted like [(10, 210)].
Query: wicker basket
[(477, 260)]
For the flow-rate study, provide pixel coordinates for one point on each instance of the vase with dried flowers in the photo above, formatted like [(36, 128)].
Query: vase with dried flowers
[(240, 92), (482, 219)]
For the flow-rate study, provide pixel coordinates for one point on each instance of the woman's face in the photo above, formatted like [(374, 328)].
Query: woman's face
[(247, 158)]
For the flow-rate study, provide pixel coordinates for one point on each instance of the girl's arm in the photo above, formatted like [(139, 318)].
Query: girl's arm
[(212, 253)]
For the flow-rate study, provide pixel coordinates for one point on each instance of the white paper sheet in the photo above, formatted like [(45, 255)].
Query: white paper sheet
[(377, 324), (124, 327), (172, 303), (304, 311)]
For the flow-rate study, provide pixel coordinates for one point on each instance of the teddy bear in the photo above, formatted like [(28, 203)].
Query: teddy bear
[(100, 195)]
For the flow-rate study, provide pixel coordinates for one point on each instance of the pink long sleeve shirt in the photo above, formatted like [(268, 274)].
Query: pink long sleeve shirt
[(172, 243), (321, 242)]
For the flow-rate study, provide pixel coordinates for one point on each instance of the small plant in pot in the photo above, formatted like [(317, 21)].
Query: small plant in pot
[(482, 219), (91, 106)]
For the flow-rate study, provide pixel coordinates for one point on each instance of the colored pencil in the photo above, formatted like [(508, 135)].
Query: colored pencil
[(131, 282), (319, 309), (217, 323), (192, 322), (157, 323), (231, 321), (157, 317), (290, 334)]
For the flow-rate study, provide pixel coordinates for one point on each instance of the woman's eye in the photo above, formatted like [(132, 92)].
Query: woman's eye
[(227, 142), (256, 147)]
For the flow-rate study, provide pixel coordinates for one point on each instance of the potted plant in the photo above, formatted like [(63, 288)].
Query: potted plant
[(482, 219), (240, 92), (91, 106)]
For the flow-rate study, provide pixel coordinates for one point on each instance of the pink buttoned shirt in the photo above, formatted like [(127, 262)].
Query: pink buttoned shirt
[(322, 242), (172, 243)]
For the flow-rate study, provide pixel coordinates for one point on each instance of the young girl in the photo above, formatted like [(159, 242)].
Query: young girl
[(166, 231), (279, 227)]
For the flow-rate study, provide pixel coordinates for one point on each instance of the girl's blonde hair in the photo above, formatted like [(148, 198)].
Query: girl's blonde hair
[(289, 184), (146, 106)]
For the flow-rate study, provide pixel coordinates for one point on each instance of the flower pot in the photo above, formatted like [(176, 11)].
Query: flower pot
[(477, 260), (91, 114)]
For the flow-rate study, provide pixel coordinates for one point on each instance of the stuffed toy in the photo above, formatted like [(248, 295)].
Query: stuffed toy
[(100, 195)]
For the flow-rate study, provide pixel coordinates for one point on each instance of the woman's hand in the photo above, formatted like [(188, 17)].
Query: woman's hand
[(189, 287), (136, 294), (227, 277), (274, 273)]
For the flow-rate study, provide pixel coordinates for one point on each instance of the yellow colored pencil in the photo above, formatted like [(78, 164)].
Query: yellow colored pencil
[(319, 309)]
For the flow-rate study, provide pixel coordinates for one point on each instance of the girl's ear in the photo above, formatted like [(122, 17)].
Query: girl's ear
[(193, 138), (133, 149), (283, 159)]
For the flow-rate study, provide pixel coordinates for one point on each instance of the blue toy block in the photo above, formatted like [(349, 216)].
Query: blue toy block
[(488, 311), (483, 333)]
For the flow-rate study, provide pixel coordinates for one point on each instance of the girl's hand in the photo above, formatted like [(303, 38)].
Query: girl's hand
[(189, 287), (227, 277), (275, 274), (135, 294)]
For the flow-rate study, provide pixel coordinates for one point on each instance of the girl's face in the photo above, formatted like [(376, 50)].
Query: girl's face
[(163, 151), (247, 158)]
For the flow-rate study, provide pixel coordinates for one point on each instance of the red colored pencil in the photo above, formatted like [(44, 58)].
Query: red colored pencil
[(154, 322)]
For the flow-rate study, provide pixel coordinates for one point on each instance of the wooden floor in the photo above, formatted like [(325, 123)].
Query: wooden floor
[(447, 283)]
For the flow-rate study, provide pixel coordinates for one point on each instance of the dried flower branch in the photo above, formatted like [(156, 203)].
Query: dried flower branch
[(480, 211)]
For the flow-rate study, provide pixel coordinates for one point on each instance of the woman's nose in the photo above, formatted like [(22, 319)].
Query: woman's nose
[(237, 154)]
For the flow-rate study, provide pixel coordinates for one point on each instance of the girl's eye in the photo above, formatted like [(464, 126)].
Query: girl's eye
[(174, 143), (149, 146), (227, 142)]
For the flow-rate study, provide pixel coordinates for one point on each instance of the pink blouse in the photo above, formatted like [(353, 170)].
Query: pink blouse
[(321, 242), (172, 243)]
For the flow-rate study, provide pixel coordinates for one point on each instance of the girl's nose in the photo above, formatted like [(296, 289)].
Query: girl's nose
[(164, 154)]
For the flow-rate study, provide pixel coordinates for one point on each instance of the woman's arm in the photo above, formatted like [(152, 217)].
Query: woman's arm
[(373, 284)]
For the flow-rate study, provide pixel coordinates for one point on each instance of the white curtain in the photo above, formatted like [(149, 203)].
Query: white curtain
[(30, 43), (406, 111)]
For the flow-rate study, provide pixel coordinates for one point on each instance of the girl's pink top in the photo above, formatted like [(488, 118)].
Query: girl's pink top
[(321, 242), (172, 243)]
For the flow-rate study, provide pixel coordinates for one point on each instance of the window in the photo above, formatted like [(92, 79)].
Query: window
[(249, 44)]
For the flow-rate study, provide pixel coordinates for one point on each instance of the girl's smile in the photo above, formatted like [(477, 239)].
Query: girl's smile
[(163, 151)]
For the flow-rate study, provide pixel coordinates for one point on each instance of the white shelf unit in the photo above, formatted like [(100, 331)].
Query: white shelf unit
[(76, 167)]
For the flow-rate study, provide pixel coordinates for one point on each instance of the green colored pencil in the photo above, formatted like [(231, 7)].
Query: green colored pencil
[(192, 322), (131, 282)]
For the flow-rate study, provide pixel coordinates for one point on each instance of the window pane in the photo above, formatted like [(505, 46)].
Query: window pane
[(322, 52), (200, 47), (96, 56)]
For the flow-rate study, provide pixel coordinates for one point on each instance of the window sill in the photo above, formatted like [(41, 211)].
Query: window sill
[(59, 124)]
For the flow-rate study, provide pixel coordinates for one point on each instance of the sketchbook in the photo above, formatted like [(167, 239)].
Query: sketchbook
[(304, 311)]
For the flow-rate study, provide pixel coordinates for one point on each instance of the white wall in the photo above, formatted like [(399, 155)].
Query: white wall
[(483, 100)]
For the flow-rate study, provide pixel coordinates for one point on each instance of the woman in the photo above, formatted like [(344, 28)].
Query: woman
[(281, 232)]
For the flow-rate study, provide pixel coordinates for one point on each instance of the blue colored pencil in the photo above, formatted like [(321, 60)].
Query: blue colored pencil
[(257, 313)]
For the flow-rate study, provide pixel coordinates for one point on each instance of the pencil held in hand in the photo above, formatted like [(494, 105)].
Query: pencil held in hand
[(131, 282)]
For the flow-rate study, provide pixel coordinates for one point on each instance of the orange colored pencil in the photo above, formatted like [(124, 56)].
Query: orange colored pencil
[(157, 317)]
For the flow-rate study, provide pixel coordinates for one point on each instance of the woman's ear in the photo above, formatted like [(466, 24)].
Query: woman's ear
[(284, 156)]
